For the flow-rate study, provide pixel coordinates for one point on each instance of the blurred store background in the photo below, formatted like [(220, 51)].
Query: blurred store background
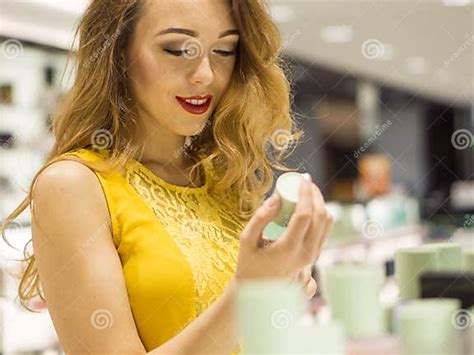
[(384, 91)]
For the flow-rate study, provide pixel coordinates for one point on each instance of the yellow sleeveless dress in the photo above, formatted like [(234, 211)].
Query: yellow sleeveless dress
[(178, 246)]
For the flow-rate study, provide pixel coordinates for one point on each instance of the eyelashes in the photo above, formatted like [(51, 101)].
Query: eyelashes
[(181, 53)]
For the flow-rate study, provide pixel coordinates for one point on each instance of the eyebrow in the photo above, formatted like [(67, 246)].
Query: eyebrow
[(195, 33)]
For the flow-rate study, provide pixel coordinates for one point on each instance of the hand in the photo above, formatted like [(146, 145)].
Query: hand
[(308, 282), (299, 246)]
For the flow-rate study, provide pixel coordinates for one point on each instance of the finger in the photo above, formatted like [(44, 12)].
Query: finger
[(310, 289), (326, 233), (307, 274), (252, 232), (304, 275), (301, 218), (315, 235)]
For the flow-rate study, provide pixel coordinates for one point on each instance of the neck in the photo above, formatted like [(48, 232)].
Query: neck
[(162, 147)]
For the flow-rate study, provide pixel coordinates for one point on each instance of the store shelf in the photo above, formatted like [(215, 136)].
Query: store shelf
[(376, 250)]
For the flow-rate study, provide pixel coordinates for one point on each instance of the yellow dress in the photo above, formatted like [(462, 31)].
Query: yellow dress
[(178, 246)]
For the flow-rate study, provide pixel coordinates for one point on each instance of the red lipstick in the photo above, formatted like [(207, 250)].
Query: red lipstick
[(195, 108)]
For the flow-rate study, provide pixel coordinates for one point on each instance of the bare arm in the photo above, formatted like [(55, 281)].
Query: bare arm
[(82, 279), (213, 332)]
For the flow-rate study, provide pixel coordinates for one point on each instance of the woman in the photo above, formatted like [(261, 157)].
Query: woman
[(146, 215)]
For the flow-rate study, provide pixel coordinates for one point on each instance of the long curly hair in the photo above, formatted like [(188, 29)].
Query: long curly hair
[(249, 133)]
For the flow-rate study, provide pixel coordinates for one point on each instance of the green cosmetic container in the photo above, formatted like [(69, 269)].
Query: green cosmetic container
[(450, 256), (287, 187), (267, 310), (428, 326), (469, 260), (409, 264), (352, 292)]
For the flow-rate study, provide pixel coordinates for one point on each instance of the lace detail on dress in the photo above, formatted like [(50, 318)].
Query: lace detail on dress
[(206, 232)]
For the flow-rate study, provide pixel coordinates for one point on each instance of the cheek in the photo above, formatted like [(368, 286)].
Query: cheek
[(227, 72), (150, 75)]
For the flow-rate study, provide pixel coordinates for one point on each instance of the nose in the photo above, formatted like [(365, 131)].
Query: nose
[(203, 74)]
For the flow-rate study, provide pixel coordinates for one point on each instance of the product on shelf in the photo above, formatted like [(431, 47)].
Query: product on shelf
[(449, 256), (393, 210), (426, 326), (348, 221), (381, 215), (271, 319), (266, 309), (352, 292), (326, 338), (469, 260), (409, 264), (412, 262)]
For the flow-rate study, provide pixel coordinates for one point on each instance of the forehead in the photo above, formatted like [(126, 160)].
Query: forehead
[(208, 17)]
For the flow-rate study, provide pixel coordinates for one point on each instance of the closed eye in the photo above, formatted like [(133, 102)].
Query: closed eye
[(181, 53)]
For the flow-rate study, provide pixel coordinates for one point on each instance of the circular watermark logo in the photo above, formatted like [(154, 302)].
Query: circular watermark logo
[(192, 48), (102, 139), (372, 229), (461, 139), (462, 319), (282, 319), (12, 48), (101, 319), (372, 49), (281, 139)]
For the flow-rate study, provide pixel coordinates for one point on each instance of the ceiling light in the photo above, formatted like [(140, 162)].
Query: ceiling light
[(74, 7), (457, 2), (282, 13), (337, 34), (417, 65)]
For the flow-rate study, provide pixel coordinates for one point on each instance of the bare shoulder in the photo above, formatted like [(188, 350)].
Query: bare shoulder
[(68, 193), (67, 174)]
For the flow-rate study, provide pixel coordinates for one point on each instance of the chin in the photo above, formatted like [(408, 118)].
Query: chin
[(188, 131)]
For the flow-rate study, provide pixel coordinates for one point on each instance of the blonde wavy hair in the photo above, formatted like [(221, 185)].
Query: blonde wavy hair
[(250, 132)]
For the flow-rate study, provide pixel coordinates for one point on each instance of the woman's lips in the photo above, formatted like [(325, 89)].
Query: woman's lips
[(194, 109)]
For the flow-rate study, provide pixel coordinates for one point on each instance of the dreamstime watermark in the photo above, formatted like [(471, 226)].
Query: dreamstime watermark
[(468, 221), (102, 139), (378, 132), (291, 38), (101, 319), (192, 48), (372, 229), (467, 42), (462, 319), (107, 43), (189, 140), (282, 319), (96, 234), (372, 49), (462, 139), (12, 48), (8, 143), (281, 139)]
